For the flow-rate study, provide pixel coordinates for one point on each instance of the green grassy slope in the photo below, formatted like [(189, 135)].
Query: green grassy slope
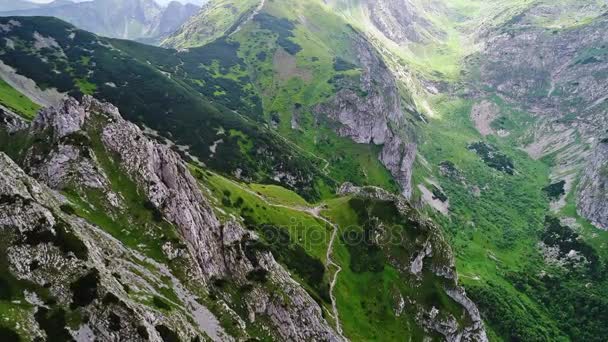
[(214, 21), (19, 103), (291, 65), (282, 63), (173, 106), (496, 223)]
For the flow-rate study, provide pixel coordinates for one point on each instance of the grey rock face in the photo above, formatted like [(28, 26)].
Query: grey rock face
[(174, 15), (62, 157), (171, 188), (216, 247), (65, 119), (65, 164), (399, 20), (11, 121), (593, 188), (399, 157), (29, 209), (561, 77), (375, 117)]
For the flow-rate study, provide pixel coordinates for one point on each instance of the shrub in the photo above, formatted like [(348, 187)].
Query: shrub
[(68, 209), (160, 303), (8, 335), (555, 190), (53, 323), (258, 275), (343, 65), (84, 290), (167, 334)]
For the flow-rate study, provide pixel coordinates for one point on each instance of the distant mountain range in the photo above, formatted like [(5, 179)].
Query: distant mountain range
[(142, 20), (17, 5)]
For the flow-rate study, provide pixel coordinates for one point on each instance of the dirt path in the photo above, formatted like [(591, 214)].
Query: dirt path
[(316, 213), (330, 261)]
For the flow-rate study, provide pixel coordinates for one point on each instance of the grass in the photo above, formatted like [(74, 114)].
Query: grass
[(13, 316), (216, 21), (308, 85), (494, 235), (368, 299), (296, 238), (234, 199), (85, 86), (19, 103), (279, 195), (511, 206)]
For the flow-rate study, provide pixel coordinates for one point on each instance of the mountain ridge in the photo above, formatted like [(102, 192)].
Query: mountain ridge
[(143, 20), (298, 118)]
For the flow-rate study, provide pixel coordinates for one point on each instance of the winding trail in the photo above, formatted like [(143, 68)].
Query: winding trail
[(330, 261), (316, 213)]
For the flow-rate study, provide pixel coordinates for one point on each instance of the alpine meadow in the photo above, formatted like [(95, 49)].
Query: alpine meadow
[(304, 170)]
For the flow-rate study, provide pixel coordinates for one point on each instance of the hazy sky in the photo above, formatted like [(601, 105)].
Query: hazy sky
[(163, 2)]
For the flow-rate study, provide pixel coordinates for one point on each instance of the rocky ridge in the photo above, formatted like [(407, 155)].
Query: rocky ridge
[(221, 251), (558, 75), (401, 21), (127, 19), (374, 115), (433, 254), (69, 263)]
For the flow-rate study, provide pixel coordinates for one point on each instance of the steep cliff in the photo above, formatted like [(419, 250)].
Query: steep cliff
[(369, 110), (68, 279), (593, 187), (555, 69), (66, 154)]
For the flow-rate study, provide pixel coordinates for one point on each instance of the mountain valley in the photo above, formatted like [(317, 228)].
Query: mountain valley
[(306, 170)]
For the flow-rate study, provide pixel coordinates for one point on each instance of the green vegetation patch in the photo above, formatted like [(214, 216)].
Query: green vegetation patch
[(9, 335), (295, 238), (282, 27), (374, 244), (340, 64), (17, 102), (492, 157), (64, 239), (53, 323), (555, 190), (513, 319), (567, 241), (295, 257)]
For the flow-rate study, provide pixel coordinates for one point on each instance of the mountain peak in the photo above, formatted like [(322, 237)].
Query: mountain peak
[(132, 19)]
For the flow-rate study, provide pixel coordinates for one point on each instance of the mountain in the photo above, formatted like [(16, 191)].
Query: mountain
[(216, 19), (217, 236), (505, 159), (137, 227), (14, 5), (143, 20), (316, 170), (194, 2)]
